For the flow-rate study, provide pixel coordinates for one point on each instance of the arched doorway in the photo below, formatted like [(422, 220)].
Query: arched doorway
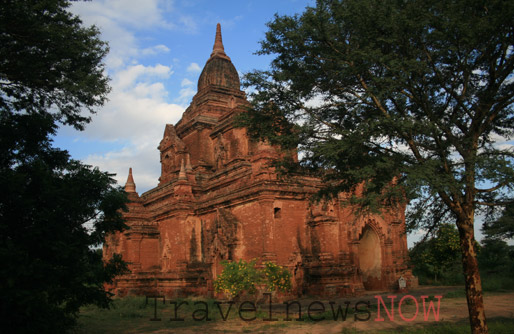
[(370, 259)]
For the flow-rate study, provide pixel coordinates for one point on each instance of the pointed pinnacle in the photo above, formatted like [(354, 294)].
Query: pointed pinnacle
[(130, 185), (218, 48)]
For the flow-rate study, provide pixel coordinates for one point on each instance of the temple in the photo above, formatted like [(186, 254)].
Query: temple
[(219, 199)]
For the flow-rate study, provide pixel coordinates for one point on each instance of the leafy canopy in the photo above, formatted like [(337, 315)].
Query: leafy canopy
[(501, 228), (394, 100), (49, 62), (437, 255), (420, 90), (53, 210)]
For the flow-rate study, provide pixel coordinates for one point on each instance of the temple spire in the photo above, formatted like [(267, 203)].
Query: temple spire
[(218, 49), (130, 186)]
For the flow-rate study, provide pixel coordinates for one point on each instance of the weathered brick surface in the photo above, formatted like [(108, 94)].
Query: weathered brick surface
[(218, 199)]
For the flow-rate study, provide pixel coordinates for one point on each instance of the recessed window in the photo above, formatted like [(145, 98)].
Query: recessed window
[(277, 212)]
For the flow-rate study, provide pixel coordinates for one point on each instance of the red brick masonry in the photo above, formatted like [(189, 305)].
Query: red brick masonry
[(218, 199)]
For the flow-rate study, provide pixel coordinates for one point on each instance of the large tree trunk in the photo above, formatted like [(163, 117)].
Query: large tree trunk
[(472, 276)]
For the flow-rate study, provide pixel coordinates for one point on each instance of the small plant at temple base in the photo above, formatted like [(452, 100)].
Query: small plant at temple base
[(239, 276), (277, 277)]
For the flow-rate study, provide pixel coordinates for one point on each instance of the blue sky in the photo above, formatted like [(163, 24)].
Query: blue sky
[(157, 51)]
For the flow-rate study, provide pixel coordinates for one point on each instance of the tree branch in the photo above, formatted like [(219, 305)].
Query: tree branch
[(498, 186)]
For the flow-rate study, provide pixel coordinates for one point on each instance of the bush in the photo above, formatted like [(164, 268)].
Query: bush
[(240, 276), (237, 277), (277, 277)]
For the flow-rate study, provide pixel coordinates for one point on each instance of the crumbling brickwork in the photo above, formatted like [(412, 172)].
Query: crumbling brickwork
[(218, 199)]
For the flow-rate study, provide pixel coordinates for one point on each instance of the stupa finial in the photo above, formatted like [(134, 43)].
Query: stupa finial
[(130, 185), (218, 49)]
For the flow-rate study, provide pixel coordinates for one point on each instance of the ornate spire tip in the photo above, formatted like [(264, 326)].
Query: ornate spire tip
[(130, 186), (218, 48)]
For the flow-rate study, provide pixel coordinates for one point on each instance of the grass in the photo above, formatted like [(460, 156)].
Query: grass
[(497, 283), (489, 284), (496, 325), (133, 314), (459, 293), (503, 281)]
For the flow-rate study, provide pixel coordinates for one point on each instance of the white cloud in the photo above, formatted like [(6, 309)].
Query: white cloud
[(185, 95), (129, 75), (136, 113), (230, 22), (194, 67), (188, 24), (137, 109), (138, 106), (144, 160), (118, 20), (161, 48), (135, 13), (502, 142), (186, 82)]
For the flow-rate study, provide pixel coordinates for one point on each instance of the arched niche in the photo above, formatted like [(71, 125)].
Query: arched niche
[(370, 258)]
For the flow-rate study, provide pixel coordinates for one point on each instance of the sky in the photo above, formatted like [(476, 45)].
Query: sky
[(157, 51)]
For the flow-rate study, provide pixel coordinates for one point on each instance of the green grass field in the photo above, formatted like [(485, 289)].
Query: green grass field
[(134, 314)]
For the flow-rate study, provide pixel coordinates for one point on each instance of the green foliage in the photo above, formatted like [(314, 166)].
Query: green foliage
[(437, 261), (503, 227), (438, 257), (495, 255), (371, 89), (498, 282), (496, 258), (276, 277), (50, 61), (240, 276), (54, 210), (415, 90)]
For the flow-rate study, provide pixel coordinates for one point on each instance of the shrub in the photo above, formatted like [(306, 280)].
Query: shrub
[(239, 276), (277, 277)]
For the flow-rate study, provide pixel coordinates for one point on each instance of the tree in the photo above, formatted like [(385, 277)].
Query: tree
[(501, 228), (415, 89), (495, 256), (438, 254), (54, 210), (49, 62)]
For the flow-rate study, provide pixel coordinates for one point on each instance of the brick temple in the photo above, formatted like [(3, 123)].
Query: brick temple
[(218, 199)]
